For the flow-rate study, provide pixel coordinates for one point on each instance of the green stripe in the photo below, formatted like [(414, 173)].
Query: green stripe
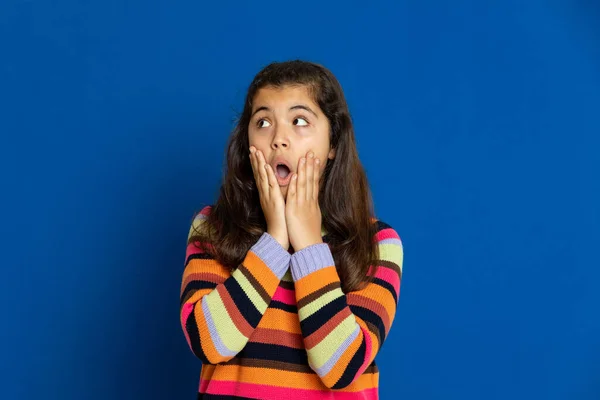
[(250, 291)]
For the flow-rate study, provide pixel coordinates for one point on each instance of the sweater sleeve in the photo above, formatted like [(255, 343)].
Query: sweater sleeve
[(219, 310), (343, 332)]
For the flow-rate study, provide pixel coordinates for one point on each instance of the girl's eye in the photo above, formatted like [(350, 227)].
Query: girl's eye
[(262, 120), (301, 119)]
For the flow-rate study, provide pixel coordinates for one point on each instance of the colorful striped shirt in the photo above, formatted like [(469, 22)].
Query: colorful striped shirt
[(280, 327)]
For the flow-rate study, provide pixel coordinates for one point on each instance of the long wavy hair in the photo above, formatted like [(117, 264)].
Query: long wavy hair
[(236, 220)]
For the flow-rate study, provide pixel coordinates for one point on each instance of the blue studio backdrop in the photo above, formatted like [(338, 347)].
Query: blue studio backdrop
[(477, 123)]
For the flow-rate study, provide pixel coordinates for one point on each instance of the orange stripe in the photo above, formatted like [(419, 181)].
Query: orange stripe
[(274, 318), (315, 281), (197, 266), (374, 340), (207, 371), (380, 295), (340, 366), (261, 272), (198, 295)]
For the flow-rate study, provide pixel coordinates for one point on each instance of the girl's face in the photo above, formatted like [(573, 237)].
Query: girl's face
[(285, 125)]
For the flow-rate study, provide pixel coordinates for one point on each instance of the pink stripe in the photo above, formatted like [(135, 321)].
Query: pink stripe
[(185, 313), (387, 233), (390, 277), (284, 295), (203, 385), (232, 388), (193, 248), (205, 211), (387, 275)]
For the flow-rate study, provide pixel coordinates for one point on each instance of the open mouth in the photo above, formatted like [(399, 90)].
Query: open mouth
[(283, 174), (283, 171)]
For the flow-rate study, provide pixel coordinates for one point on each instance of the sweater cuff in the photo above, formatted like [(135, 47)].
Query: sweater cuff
[(311, 259), (272, 253)]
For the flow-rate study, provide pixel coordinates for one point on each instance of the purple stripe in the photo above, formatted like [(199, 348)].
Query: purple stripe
[(272, 253), (311, 259), (324, 370), (212, 329), (390, 241)]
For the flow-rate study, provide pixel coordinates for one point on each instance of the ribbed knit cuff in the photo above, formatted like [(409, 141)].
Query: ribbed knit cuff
[(311, 259), (272, 253)]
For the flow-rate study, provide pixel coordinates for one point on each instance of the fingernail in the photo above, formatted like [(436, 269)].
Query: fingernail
[(303, 160), (311, 155), (317, 161)]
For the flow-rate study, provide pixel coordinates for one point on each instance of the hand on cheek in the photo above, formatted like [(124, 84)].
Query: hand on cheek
[(303, 215)]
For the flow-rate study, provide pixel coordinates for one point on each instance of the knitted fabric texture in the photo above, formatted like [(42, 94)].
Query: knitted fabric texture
[(280, 327)]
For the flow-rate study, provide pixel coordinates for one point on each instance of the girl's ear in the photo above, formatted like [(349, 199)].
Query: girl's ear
[(331, 154)]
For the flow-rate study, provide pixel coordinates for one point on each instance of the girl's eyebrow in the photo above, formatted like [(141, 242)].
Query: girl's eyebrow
[(296, 107)]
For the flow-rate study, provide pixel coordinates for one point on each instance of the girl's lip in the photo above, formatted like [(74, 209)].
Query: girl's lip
[(280, 160)]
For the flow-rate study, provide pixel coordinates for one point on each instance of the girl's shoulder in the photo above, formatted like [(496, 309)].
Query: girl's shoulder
[(385, 232), (380, 224), (205, 211), (199, 219)]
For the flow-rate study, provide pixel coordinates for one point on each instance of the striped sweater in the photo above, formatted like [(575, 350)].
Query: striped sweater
[(280, 327)]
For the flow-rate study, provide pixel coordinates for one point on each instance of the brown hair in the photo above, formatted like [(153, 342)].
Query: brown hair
[(236, 220)]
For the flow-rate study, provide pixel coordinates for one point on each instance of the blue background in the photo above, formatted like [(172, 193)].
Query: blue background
[(478, 124)]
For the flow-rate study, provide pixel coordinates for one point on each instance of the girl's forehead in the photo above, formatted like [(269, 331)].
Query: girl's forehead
[(285, 93), (283, 97)]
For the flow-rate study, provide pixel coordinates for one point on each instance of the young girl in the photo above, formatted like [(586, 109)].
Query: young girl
[(291, 284)]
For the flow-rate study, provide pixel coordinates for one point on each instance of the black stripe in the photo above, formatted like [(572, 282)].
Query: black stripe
[(192, 331), (381, 225), (255, 283), (194, 286), (199, 256), (282, 306), (372, 317), (242, 302), (318, 319), (286, 284), (274, 352), (372, 369), (353, 366), (388, 286)]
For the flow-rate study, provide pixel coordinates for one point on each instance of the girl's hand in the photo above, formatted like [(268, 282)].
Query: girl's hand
[(271, 198), (302, 212)]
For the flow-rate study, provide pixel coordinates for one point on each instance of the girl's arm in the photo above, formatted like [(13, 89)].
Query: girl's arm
[(219, 310), (343, 332)]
